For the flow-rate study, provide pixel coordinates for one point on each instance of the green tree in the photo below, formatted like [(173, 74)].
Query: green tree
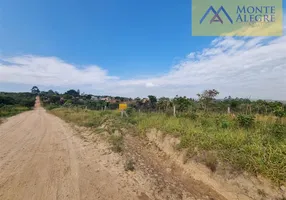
[(55, 99), (50, 93), (164, 103), (73, 93), (279, 112), (67, 96), (35, 90), (182, 103), (152, 101), (6, 100), (207, 97)]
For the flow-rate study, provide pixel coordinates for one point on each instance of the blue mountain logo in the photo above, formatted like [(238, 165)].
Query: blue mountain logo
[(216, 17)]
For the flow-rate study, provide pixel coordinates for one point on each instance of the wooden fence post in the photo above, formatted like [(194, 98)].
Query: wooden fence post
[(228, 110)]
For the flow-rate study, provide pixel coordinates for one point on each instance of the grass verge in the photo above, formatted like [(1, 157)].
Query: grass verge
[(10, 110), (117, 143)]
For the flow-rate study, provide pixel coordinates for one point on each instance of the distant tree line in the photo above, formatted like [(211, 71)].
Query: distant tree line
[(25, 99), (205, 102)]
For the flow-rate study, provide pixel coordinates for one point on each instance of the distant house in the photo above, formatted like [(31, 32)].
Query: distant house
[(105, 99), (113, 100)]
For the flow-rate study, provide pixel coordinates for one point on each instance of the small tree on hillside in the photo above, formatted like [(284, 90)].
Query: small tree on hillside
[(279, 112), (55, 99), (35, 90), (182, 103), (50, 93), (138, 103), (73, 93), (164, 103), (207, 97), (153, 101)]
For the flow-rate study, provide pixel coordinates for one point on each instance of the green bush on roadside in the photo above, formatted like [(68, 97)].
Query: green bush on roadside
[(245, 121), (51, 106), (10, 110)]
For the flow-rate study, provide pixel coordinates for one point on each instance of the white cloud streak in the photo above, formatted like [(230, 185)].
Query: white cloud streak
[(49, 71), (237, 66)]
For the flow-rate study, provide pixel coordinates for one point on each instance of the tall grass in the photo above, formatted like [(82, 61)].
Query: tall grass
[(259, 148), (10, 110), (84, 117)]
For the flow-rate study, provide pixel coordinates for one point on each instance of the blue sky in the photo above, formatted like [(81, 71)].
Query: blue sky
[(126, 37), (129, 48)]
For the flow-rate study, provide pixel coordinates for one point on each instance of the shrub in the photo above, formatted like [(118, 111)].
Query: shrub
[(130, 120), (9, 110), (191, 115), (225, 124), (245, 121), (279, 112), (51, 106), (68, 105), (117, 143), (105, 113), (206, 122), (91, 124), (211, 162), (130, 111), (222, 122), (129, 165), (194, 115), (169, 112), (278, 130), (28, 103)]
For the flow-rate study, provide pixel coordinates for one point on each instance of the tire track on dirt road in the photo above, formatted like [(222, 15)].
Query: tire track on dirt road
[(12, 144)]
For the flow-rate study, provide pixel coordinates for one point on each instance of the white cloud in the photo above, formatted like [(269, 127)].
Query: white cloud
[(237, 66), (244, 67), (149, 84), (49, 71)]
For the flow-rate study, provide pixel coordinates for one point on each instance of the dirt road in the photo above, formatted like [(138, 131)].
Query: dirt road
[(42, 158)]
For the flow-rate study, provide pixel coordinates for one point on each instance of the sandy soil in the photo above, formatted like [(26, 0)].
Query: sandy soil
[(42, 157)]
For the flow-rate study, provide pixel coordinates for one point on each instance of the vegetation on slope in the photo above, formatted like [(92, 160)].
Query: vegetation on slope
[(246, 142), (258, 147)]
